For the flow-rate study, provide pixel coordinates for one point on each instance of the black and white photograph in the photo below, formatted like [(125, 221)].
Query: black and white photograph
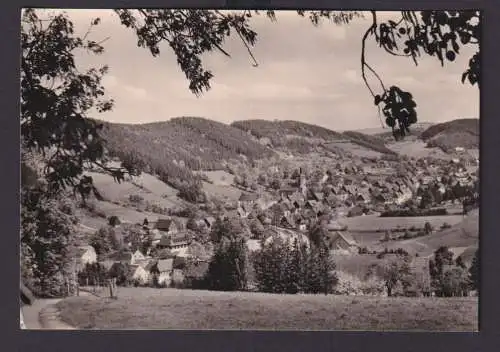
[(277, 170)]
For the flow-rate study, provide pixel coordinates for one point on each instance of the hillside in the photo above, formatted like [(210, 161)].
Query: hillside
[(457, 133), (304, 137), (181, 144)]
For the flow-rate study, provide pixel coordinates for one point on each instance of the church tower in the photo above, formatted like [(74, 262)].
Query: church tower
[(303, 187)]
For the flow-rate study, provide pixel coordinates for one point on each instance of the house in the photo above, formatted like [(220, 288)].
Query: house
[(156, 236), (333, 225), (174, 242), (247, 199), (287, 191), (85, 255), (342, 241), (162, 271), (139, 273), (361, 198), (121, 257), (137, 256), (143, 262), (106, 264), (287, 222), (167, 225)]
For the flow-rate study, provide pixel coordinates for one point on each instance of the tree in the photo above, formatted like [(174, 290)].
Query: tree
[(442, 257), (56, 99), (228, 268), (197, 251), (256, 228), (427, 199), (120, 272), (192, 192), (192, 225), (474, 275), (104, 240), (284, 267), (92, 274), (393, 272), (455, 282), (47, 225), (113, 221), (428, 228)]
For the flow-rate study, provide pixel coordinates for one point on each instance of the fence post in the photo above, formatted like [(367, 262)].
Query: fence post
[(111, 289)]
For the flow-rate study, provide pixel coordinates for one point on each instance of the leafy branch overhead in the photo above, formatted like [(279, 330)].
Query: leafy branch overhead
[(434, 33)]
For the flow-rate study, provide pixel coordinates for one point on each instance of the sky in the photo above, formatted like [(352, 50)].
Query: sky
[(305, 73)]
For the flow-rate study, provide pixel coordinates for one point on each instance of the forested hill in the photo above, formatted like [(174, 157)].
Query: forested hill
[(457, 133), (181, 144), (277, 130), (294, 135)]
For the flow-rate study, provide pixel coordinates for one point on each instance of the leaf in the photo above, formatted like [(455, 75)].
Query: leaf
[(377, 99)]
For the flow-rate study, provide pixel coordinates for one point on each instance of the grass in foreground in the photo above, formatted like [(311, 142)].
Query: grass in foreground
[(146, 308)]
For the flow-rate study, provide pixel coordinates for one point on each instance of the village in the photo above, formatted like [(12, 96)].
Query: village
[(175, 251)]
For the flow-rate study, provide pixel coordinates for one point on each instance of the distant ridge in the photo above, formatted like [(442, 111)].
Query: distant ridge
[(457, 133), (294, 135)]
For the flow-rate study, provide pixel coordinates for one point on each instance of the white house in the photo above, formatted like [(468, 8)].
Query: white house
[(85, 255), (137, 256), (139, 273)]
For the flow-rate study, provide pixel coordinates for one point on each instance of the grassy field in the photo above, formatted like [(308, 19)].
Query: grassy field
[(356, 149), (416, 148), (147, 308), (147, 186), (374, 222)]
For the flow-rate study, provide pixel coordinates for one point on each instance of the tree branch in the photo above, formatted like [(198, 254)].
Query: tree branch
[(364, 64)]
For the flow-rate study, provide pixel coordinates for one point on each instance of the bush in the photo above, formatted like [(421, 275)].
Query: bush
[(352, 285), (445, 226), (414, 212), (113, 221), (362, 250), (135, 198)]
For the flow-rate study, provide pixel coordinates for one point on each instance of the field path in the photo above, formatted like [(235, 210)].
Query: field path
[(43, 315)]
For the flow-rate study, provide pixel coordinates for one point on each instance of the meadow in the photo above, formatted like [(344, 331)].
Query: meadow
[(148, 308), (374, 222)]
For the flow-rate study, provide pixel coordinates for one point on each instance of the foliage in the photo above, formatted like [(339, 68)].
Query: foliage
[(113, 221), (414, 212), (442, 257), (433, 33), (283, 267), (56, 99), (257, 228), (455, 282), (353, 285), (395, 271), (428, 228), (47, 226), (226, 229), (192, 192), (92, 274), (104, 240), (474, 273), (120, 272), (228, 268)]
